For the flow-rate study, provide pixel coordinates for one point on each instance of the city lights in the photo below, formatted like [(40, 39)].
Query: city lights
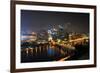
[(55, 43)]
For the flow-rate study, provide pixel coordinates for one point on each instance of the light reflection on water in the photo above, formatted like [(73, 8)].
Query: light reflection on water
[(50, 51), (43, 54)]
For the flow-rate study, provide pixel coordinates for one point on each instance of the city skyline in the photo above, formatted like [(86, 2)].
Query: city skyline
[(54, 36)]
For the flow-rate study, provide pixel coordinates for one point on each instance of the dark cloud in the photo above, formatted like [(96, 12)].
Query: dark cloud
[(39, 20)]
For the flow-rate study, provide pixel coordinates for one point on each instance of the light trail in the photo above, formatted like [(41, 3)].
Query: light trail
[(63, 59)]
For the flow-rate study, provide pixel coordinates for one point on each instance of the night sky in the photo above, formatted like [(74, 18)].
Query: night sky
[(35, 21)]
